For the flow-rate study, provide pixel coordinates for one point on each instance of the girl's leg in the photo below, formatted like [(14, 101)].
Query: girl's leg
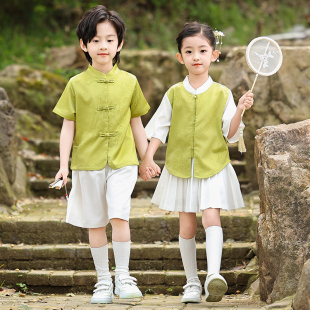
[(99, 249), (188, 227), (215, 285), (125, 285)]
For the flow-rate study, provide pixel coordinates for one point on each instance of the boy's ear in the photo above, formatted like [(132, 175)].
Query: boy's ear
[(83, 46), (180, 58), (215, 55), (120, 46)]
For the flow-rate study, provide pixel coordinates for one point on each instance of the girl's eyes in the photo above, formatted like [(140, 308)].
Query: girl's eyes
[(203, 51), (96, 41), (188, 52)]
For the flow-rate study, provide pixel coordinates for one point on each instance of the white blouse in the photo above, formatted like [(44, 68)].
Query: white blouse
[(158, 126)]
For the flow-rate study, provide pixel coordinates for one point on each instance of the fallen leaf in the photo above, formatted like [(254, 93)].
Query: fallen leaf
[(8, 292)]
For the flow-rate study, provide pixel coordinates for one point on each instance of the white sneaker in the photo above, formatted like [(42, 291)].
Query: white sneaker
[(103, 294), (126, 286), (192, 292), (215, 287)]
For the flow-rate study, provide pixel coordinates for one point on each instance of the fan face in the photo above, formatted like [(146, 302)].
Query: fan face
[(264, 56)]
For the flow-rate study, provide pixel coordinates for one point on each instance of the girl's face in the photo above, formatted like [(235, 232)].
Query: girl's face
[(103, 47), (197, 54)]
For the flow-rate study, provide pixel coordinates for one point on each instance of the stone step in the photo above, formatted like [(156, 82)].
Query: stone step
[(159, 256), (43, 222), (39, 186), (48, 166), (51, 147), (83, 281)]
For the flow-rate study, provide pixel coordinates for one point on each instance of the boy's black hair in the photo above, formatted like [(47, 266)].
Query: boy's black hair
[(193, 29), (87, 27)]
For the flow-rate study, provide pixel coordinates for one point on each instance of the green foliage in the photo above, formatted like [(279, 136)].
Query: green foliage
[(27, 28), (23, 287)]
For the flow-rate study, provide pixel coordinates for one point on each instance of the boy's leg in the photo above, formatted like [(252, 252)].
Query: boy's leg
[(188, 227), (215, 285), (125, 285), (99, 249)]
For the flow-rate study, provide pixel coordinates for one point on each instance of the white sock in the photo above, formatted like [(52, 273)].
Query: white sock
[(188, 254), (101, 261), (214, 248), (121, 256)]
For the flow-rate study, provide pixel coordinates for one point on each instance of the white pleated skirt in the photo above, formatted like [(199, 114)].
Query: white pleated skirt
[(193, 195)]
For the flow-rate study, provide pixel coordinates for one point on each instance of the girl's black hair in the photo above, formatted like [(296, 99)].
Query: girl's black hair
[(193, 29), (87, 27)]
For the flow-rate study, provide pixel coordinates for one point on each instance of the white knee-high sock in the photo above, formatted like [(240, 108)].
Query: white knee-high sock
[(121, 256), (188, 254), (101, 261), (214, 248)]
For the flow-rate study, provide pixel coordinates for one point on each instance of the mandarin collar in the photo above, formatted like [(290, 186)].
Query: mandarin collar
[(98, 75), (200, 89)]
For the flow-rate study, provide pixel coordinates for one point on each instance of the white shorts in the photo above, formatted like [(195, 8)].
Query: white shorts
[(98, 196)]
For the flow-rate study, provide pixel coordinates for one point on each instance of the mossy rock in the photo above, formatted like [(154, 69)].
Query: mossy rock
[(33, 90)]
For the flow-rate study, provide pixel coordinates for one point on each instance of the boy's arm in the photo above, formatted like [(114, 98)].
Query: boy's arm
[(66, 139), (246, 101), (141, 142)]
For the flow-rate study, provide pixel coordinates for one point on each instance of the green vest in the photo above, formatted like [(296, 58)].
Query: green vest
[(101, 106), (196, 132)]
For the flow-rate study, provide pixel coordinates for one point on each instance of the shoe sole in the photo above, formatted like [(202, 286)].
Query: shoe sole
[(190, 300), (102, 301), (128, 296), (216, 288)]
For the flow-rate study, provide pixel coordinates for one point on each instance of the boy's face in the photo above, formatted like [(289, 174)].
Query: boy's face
[(197, 54), (103, 47)]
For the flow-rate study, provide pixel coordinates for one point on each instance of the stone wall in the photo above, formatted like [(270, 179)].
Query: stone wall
[(8, 149), (283, 167), (281, 98)]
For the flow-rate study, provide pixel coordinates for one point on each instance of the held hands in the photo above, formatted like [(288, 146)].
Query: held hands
[(246, 101), (148, 169), (63, 172)]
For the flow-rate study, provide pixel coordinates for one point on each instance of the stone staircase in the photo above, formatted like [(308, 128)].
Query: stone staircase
[(44, 165), (48, 255)]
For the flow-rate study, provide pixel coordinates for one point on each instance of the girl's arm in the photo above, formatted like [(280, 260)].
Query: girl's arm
[(141, 143), (66, 138), (246, 101)]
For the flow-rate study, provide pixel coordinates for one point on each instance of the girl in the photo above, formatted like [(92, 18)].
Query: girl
[(101, 108), (201, 117)]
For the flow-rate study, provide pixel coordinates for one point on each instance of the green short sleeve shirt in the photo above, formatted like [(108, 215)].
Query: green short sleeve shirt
[(101, 106)]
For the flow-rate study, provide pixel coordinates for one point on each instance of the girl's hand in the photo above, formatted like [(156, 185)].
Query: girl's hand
[(148, 169), (246, 101), (62, 173)]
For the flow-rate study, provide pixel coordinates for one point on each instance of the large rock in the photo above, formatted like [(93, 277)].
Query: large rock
[(281, 98), (8, 149), (33, 90), (302, 298), (283, 168)]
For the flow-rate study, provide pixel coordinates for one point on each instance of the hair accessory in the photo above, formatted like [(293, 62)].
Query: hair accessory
[(219, 40), (264, 57)]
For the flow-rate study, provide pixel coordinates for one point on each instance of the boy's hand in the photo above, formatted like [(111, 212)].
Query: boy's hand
[(246, 101), (148, 169), (62, 173)]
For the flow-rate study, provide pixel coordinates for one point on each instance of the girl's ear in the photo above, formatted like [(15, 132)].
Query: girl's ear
[(83, 46), (120, 46), (180, 58), (215, 55)]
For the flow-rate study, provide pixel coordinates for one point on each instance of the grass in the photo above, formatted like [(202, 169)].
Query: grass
[(150, 24)]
